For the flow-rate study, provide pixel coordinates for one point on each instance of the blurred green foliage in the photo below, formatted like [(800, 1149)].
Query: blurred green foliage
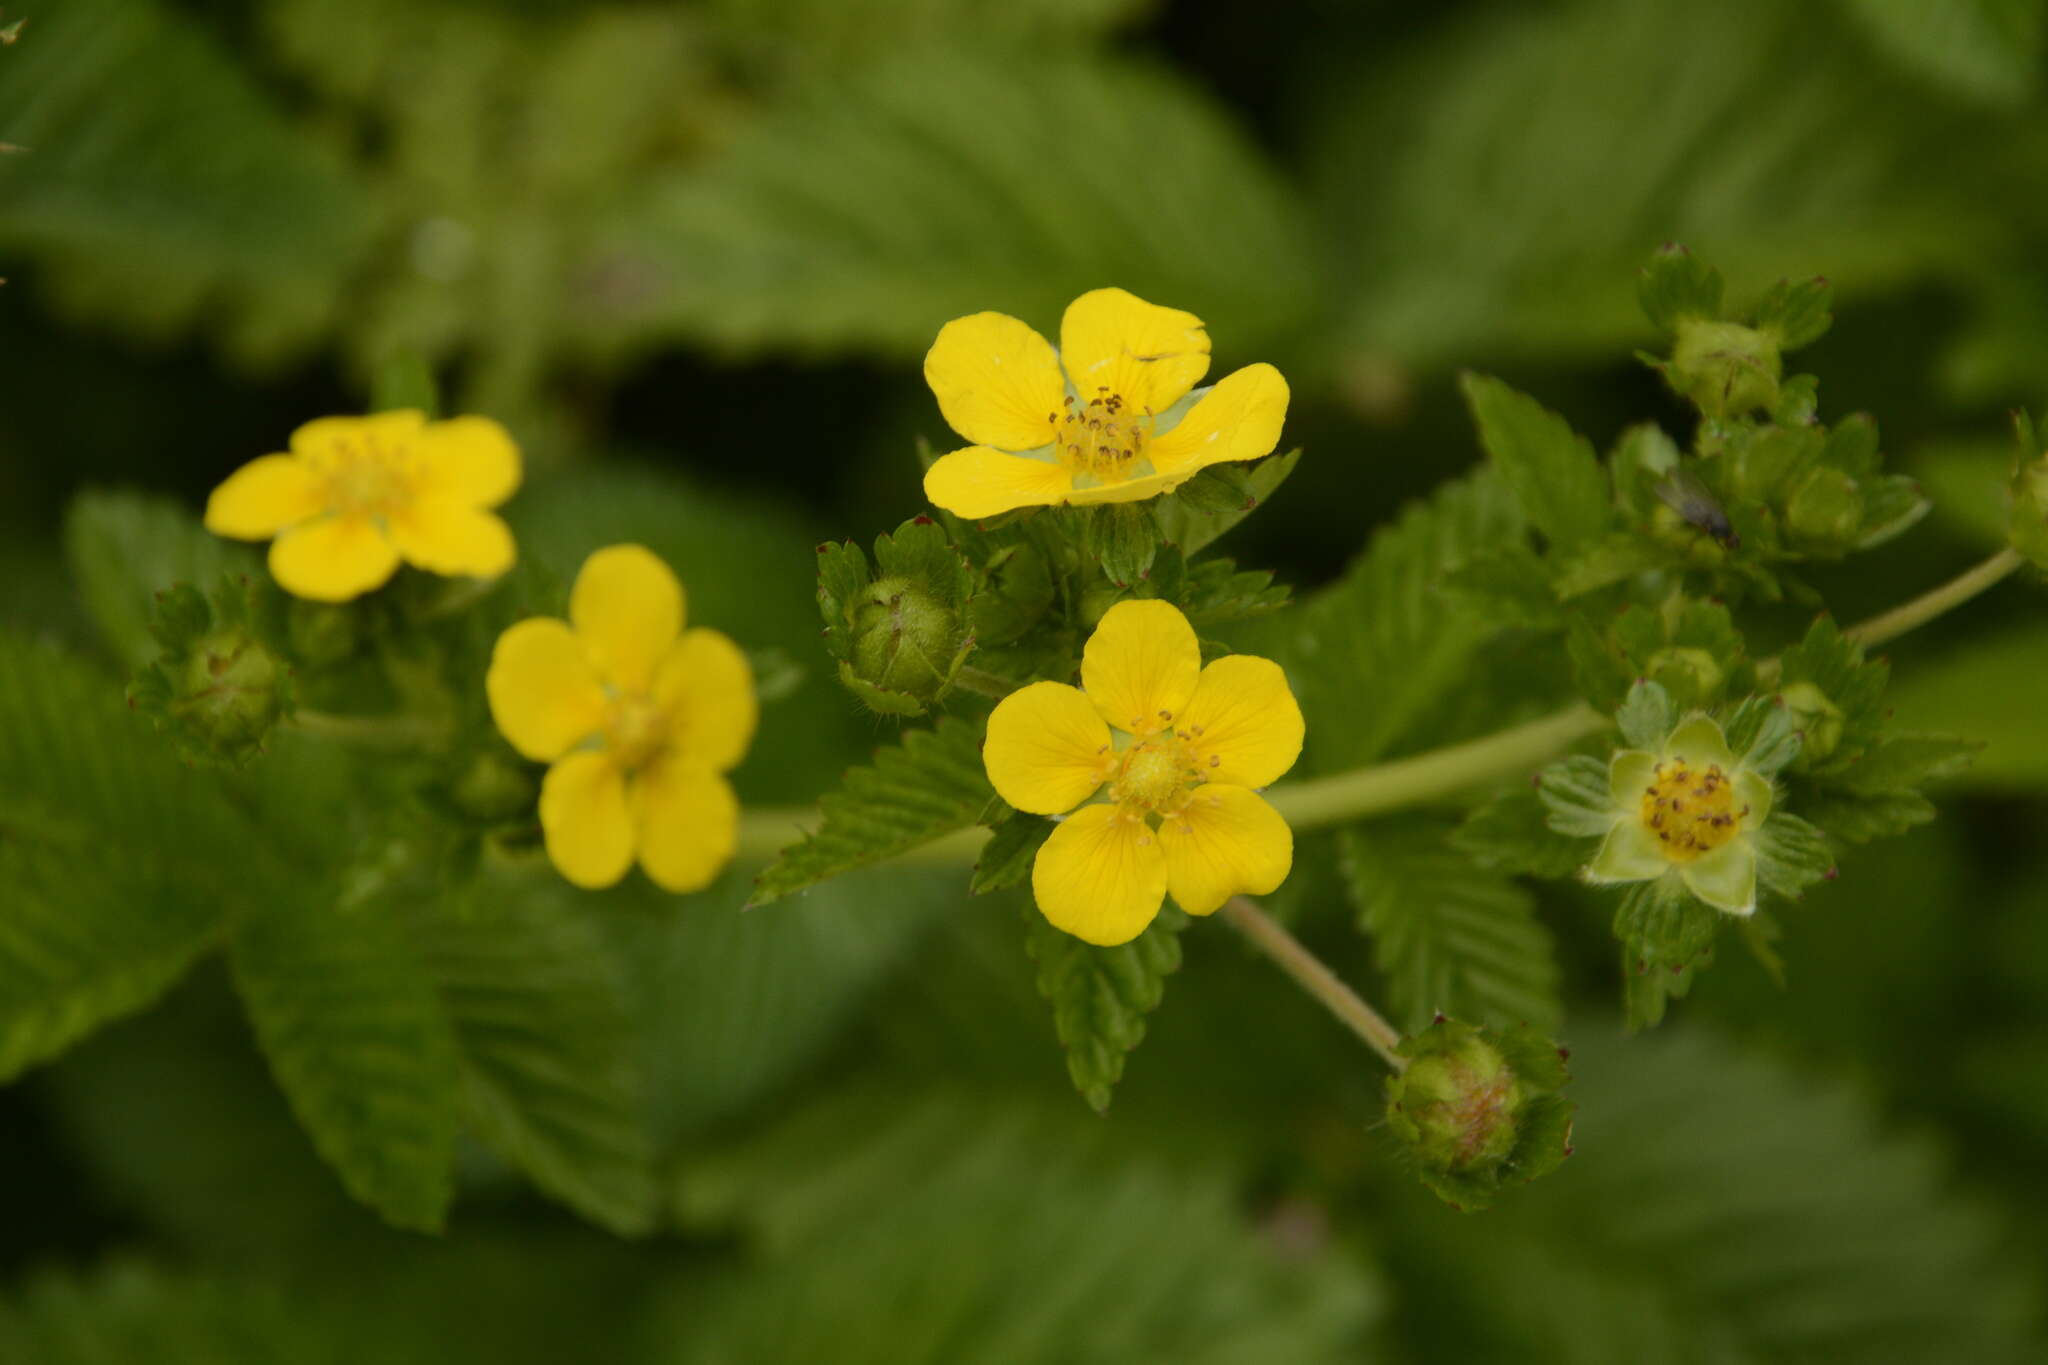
[(691, 253)]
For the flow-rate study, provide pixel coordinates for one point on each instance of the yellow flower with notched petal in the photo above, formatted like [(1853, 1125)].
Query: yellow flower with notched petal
[(358, 494), (640, 720), (1177, 749), (1112, 416)]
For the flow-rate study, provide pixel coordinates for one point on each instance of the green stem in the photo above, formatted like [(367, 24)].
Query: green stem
[(1441, 772), (1423, 777), (400, 731), (988, 684), (1318, 980)]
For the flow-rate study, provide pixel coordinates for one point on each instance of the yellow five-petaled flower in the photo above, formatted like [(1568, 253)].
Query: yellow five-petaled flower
[(640, 720), (1176, 749), (1112, 416), (358, 494)]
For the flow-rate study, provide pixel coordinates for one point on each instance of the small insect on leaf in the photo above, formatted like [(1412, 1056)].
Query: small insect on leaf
[(1683, 493)]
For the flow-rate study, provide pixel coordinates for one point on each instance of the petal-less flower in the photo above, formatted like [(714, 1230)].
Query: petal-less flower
[(1112, 416), (1176, 749), (1691, 810), (356, 495), (640, 720)]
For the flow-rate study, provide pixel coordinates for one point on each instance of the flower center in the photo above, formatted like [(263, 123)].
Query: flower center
[(635, 729), (1691, 810), (1100, 437), (368, 479), (1156, 774)]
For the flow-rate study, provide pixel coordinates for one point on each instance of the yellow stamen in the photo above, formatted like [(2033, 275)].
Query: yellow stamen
[(1692, 811), (635, 729), (1156, 774), (1102, 437)]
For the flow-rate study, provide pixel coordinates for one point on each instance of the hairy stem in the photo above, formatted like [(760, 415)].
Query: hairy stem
[(1318, 980), (986, 683), (398, 731)]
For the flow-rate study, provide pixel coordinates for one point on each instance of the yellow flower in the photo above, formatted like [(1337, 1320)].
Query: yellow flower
[(1121, 421), (358, 494), (1179, 748), (639, 718)]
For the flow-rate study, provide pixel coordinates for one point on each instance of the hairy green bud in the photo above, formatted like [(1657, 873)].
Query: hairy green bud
[(1693, 675), (906, 641), (216, 689), (1725, 368), (1478, 1109), (901, 632)]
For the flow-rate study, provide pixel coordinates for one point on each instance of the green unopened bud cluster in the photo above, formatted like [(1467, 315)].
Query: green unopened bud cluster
[(2029, 526), (217, 689), (900, 632), (1480, 1109)]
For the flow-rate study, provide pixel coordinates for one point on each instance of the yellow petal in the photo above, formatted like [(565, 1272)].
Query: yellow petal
[(997, 381), (628, 610), (331, 559), (1130, 490), (978, 482), (1047, 750), (583, 816), (1226, 842), (688, 821), (1101, 876), (544, 695), (469, 459), (263, 497), (1243, 725), (446, 536), (328, 441), (706, 688), (1239, 419), (1115, 341), (1141, 664)]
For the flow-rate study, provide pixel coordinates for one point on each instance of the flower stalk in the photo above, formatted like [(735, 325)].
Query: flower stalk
[(1318, 980)]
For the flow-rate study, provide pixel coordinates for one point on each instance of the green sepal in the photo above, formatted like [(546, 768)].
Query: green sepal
[(1123, 539), (406, 380), (1666, 936), (1100, 996), (1513, 833), (1646, 716), (1797, 313), (1836, 697), (1479, 1110), (1006, 859), (1676, 285), (1215, 591), (1201, 510), (1019, 592), (1792, 855), (221, 683), (1576, 793), (1761, 734), (1688, 646), (900, 633)]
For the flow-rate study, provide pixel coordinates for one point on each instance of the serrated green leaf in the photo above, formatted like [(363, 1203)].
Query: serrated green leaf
[(841, 222), (1860, 817), (125, 548), (1761, 733), (1448, 935), (1006, 858), (1909, 760), (1797, 313), (1552, 469), (1100, 996), (359, 1043), (547, 1070), (1122, 538), (1373, 658), (1512, 832), (1666, 936), (1791, 855), (928, 785)]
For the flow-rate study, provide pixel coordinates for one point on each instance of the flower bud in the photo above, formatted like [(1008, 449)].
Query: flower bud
[(216, 688), (1693, 677), (1479, 1108), (1818, 720), (906, 642), (1825, 511), (2029, 528), (1726, 369)]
